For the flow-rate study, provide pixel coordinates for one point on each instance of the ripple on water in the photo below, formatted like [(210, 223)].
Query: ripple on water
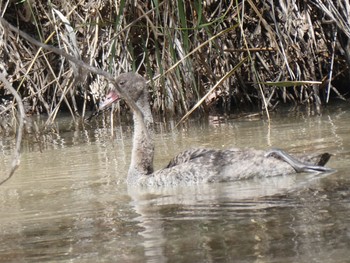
[(71, 203)]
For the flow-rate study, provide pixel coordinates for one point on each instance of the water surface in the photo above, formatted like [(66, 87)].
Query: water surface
[(68, 201)]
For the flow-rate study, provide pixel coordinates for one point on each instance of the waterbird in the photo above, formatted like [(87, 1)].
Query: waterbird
[(198, 165)]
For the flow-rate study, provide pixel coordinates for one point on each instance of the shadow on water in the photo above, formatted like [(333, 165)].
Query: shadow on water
[(70, 201)]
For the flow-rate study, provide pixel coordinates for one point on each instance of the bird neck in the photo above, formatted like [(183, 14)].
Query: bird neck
[(143, 144)]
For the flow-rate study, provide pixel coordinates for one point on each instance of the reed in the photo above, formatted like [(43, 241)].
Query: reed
[(185, 49)]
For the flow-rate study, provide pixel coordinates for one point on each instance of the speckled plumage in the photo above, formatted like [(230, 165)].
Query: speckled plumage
[(195, 165)]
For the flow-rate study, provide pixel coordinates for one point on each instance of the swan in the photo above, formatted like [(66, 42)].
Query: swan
[(198, 165)]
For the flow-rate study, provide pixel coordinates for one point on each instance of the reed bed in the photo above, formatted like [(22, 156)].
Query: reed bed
[(209, 55), (225, 55)]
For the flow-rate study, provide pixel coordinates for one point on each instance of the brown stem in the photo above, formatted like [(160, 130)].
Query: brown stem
[(17, 153)]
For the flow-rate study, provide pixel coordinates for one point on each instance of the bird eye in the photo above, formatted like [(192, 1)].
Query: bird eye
[(122, 82)]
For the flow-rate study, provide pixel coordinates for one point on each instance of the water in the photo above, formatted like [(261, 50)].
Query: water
[(68, 201)]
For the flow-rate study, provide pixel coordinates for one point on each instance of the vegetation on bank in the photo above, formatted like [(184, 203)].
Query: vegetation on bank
[(289, 51), (224, 55)]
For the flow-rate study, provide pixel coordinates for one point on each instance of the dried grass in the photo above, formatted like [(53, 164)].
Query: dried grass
[(183, 47), (226, 54)]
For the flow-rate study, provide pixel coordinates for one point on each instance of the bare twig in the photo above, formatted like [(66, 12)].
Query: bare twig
[(17, 153), (79, 63)]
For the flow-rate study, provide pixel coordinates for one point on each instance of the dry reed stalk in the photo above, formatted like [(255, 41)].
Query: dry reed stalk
[(296, 52), (81, 65), (188, 45)]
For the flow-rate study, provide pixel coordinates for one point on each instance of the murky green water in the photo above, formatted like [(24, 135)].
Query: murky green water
[(70, 203)]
